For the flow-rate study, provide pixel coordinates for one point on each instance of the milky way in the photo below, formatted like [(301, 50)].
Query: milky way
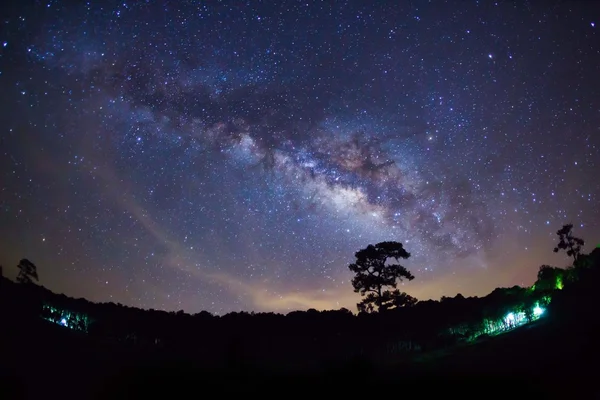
[(226, 156)]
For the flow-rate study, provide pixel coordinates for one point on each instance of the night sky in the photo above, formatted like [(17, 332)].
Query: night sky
[(228, 156)]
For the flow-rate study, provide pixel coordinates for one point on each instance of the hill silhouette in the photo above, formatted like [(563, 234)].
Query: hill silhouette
[(539, 338)]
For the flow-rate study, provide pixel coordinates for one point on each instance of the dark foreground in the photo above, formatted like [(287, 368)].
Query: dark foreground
[(547, 360)]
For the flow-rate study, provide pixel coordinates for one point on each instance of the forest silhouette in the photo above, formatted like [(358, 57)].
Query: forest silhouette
[(111, 350)]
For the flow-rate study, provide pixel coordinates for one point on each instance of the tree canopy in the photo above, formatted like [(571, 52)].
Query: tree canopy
[(569, 243), (373, 274), (27, 271)]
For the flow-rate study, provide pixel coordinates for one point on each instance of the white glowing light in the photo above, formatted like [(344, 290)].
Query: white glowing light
[(63, 322), (537, 311)]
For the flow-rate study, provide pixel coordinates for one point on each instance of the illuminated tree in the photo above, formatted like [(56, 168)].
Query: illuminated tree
[(569, 243), (373, 275), (27, 271), (549, 278)]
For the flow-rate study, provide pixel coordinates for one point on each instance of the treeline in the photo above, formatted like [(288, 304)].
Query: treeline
[(390, 322), (306, 336), (299, 335)]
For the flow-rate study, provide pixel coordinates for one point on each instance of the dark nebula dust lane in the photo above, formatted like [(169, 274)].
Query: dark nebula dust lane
[(233, 156)]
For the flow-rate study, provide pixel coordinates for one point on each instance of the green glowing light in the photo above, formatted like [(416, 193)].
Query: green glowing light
[(66, 318), (559, 282), (510, 317)]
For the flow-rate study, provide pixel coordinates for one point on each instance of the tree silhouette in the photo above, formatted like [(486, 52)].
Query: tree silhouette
[(399, 299), (372, 275), (27, 271), (571, 244)]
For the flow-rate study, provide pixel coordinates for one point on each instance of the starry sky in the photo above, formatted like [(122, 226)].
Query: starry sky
[(230, 155)]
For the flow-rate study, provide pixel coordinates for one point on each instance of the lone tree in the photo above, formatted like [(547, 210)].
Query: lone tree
[(373, 275), (569, 243), (27, 271)]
